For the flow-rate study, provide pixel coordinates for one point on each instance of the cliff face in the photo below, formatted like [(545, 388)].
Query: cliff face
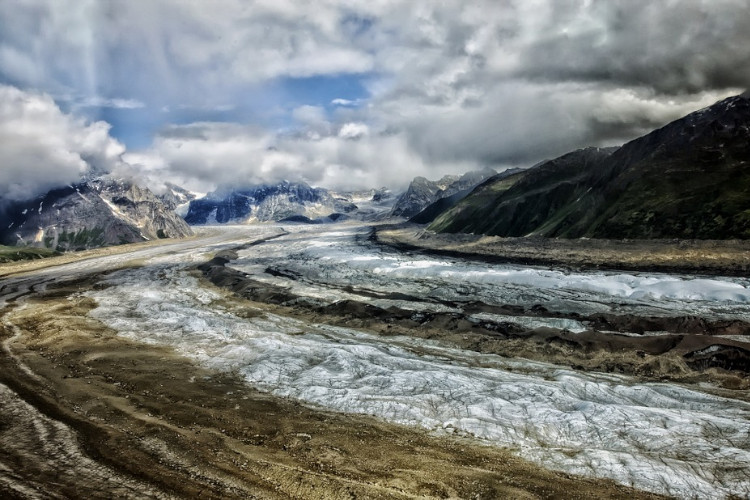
[(90, 214), (688, 179)]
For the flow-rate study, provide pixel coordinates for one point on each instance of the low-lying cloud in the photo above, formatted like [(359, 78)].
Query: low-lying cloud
[(206, 156), (42, 147)]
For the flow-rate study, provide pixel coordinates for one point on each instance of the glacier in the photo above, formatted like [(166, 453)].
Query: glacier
[(660, 437)]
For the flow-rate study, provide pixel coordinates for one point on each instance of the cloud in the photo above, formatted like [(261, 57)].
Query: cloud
[(451, 84), (347, 102), (206, 156), (353, 131), (45, 148), (522, 123), (104, 102), (670, 47)]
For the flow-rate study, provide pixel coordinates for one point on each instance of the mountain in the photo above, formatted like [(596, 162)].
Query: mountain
[(422, 192), (371, 204), (688, 179), (445, 203), (266, 203), (495, 207), (93, 213), (177, 198)]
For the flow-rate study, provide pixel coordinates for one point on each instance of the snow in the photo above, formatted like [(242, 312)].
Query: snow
[(114, 208), (660, 437)]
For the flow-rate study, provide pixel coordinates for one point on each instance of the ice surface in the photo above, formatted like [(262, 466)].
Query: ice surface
[(660, 437), (532, 322), (333, 259)]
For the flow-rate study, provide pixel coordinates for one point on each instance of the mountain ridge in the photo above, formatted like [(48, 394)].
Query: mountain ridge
[(98, 212), (422, 192), (687, 179)]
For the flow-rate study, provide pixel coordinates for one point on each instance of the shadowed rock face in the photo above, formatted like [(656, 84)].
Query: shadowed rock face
[(91, 214), (422, 192), (688, 179)]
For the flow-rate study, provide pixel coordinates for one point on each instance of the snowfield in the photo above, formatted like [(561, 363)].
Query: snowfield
[(659, 437)]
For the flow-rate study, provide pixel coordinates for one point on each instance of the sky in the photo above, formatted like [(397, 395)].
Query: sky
[(345, 94)]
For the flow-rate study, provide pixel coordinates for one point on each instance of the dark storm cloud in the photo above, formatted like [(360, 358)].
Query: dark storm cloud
[(670, 47)]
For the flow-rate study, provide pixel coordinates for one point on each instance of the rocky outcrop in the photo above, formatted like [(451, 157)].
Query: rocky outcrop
[(176, 198), (449, 198), (422, 192)]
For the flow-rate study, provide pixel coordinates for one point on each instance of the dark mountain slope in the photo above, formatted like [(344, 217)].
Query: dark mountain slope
[(518, 204), (436, 208), (444, 203), (689, 179)]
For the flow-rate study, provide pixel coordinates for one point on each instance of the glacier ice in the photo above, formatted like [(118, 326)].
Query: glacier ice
[(656, 436)]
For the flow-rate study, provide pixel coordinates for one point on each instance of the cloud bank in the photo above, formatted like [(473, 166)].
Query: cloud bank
[(447, 86), (42, 147)]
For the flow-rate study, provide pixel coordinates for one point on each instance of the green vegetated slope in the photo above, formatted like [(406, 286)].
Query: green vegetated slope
[(12, 254), (689, 179), (520, 204)]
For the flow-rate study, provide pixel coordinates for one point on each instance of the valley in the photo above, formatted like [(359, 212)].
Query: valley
[(374, 250), (309, 361)]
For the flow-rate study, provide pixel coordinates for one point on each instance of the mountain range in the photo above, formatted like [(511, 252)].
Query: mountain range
[(689, 179), (266, 203)]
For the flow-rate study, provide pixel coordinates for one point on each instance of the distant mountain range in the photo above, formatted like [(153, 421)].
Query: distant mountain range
[(289, 201), (688, 179), (266, 203), (90, 214)]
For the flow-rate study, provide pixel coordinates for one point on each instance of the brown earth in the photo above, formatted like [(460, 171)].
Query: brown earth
[(87, 414)]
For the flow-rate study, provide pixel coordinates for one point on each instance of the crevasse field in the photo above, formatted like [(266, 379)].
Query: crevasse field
[(655, 436)]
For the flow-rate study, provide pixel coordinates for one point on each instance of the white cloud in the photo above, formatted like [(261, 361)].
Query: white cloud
[(43, 147), (204, 156), (310, 115), (453, 83), (353, 131), (104, 102), (347, 102)]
